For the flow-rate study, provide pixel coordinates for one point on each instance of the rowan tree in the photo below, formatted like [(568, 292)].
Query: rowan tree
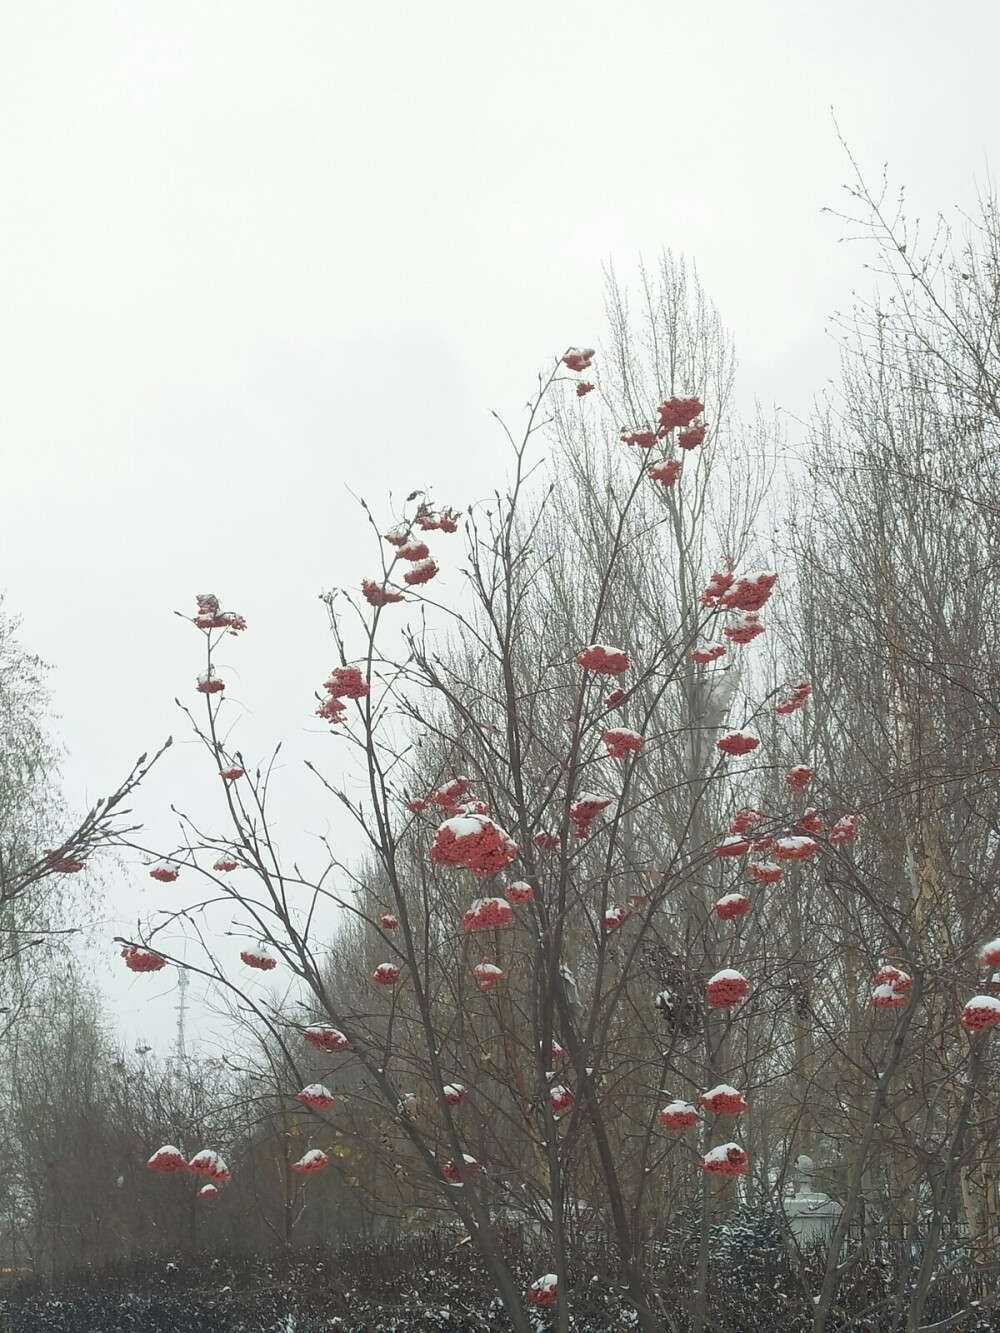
[(550, 822)]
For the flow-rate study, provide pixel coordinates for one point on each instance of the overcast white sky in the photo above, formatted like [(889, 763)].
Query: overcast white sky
[(254, 255)]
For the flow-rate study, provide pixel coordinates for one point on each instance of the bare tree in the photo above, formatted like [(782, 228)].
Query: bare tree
[(894, 551)]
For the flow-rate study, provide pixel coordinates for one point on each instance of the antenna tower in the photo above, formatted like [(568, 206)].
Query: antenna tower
[(180, 1046)]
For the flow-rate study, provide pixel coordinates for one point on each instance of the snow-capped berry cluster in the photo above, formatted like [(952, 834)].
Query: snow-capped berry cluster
[(165, 870), (885, 996), (791, 703), (210, 1165), (746, 819), (379, 594), (585, 809), (488, 914), (473, 842), (560, 1100), (436, 520), (260, 957), (487, 975), (737, 743), (615, 918), (707, 652), (544, 1290), (981, 1013), (794, 847), (602, 660), (642, 439), (728, 1159), (345, 682), (844, 831), (678, 1115), (666, 474), (726, 989), (732, 906), (62, 863), (211, 617), (729, 591), (677, 413), (330, 1040), (735, 845), (579, 359), (422, 572), (765, 872), (453, 1175), (723, 1100), (745, 629), (317, 1097), (313, 1161), (519, 893), (209, 683), (621, 742), (142, 960), (168, 1160), (447, 798)]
